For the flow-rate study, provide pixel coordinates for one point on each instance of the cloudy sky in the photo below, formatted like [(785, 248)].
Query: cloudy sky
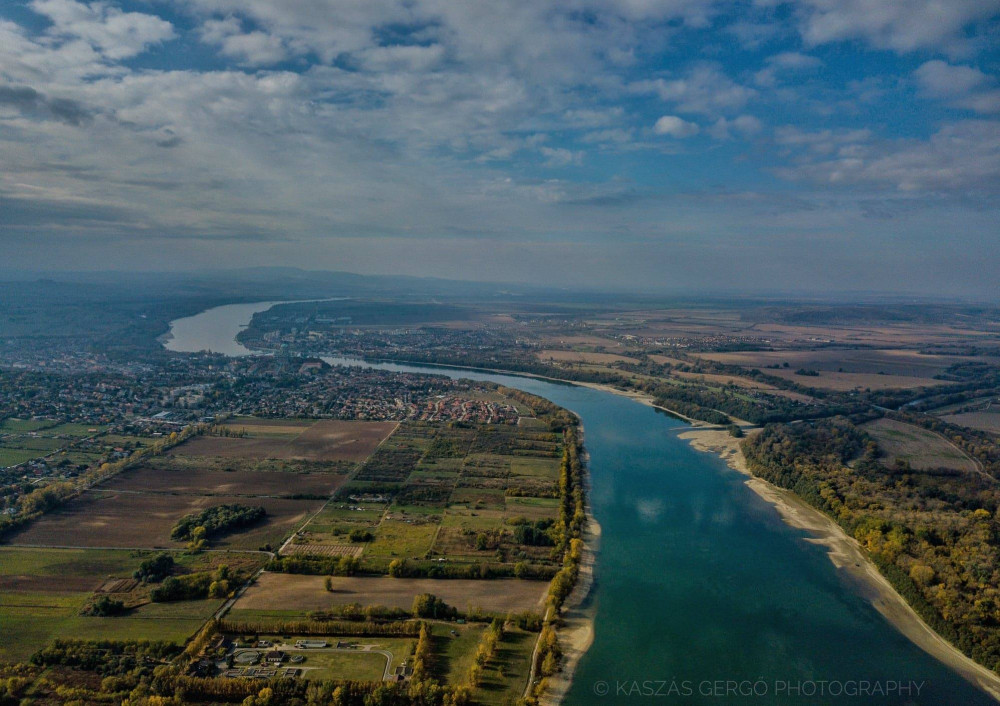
[(648, 144)]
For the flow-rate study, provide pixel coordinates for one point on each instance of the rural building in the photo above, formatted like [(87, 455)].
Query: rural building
[(312, 644)]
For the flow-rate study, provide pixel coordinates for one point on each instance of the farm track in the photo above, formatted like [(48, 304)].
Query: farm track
[(975, 462)]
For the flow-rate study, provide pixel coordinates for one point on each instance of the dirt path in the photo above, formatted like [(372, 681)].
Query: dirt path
[(847, 555), (975, 461)]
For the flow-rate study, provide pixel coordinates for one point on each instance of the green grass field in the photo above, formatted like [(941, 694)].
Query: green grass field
[(535, 467), (12, 457), (454, 654), (92, 563), (28, 439), (44, 590), (394, 538), (20, 426), (77, 430), (26, 629), (506, 676), (364, 661), (43, 444), (363, 666)]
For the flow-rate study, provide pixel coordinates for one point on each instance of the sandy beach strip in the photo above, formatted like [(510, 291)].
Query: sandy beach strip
[(576, 633), (848, 556)]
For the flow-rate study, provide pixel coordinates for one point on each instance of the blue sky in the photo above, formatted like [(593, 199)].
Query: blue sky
[(645, 144)]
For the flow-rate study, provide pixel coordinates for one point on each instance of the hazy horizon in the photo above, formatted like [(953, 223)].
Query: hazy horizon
[(273, 276)]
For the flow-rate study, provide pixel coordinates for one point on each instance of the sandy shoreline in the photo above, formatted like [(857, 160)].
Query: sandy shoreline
[(641, 398), (577, 631), (848, 556)]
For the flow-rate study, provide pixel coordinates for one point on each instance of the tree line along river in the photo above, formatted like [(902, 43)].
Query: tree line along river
[(702, 594)]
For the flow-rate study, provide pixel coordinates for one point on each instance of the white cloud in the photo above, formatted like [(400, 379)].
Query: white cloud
[(592, 118), (961, 158), (672, 126), (900, 25), (785, 63), (742, 125), (250, 48), (961, 86), (115, 34), (704, 89), (794, 61), (819, 141), (612, 135), (403, 58), (561, 157)]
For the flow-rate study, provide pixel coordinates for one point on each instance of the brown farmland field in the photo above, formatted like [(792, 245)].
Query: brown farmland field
[(848, 381), (326, 440), (923, 449), (234, 447), (581, 357), (334, 440), (307, 593), (327, 550), (116, 519), (218, 482), (984, 421), (892, 362)]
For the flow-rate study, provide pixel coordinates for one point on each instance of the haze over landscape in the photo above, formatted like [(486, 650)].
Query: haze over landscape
[(802, 145)]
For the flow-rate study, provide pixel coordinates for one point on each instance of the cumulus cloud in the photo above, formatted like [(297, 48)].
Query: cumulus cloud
[(785, 64), (961, 86), (705, 89), (560, 157), (819, 141), (253, 48), (672, 126), (114, 33), (27, 101), (900, 25), (613, 135), (963, 157), (741, 126)]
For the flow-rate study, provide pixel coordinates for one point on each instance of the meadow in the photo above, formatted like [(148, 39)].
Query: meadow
[(921, 448), (44, 594), (26, 439)]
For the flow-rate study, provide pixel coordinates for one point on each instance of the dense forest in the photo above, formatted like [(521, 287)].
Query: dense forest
[(216, 520), (933, 534)]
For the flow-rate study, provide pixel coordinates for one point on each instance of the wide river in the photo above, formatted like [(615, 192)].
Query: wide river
[(699, 581)]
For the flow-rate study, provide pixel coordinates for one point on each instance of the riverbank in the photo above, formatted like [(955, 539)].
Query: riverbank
[(848, 556), (576, 634), (640, 397)]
